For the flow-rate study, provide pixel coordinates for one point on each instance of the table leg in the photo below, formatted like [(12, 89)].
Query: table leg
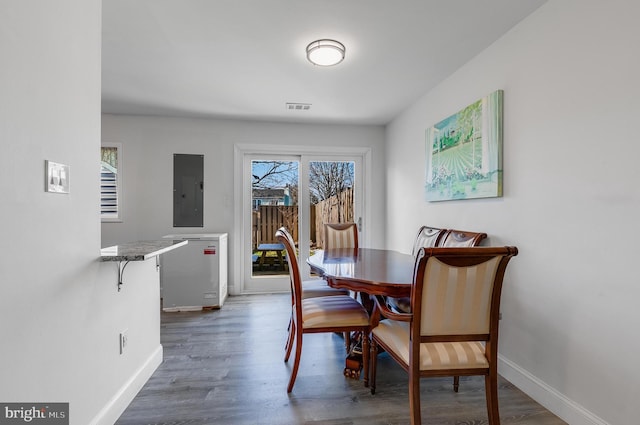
[(262, 257), (365, 300), (353, 362)]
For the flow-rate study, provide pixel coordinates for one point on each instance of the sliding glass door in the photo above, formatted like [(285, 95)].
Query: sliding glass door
[(274, 204), (301, 193), (331, 196)]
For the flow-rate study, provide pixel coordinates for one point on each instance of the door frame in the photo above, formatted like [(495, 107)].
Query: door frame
[(242, 224)]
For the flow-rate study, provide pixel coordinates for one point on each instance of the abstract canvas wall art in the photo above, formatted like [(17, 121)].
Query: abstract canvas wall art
[(464, 153)]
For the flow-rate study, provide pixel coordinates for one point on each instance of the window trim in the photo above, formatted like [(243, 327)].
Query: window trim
[(119, 178)]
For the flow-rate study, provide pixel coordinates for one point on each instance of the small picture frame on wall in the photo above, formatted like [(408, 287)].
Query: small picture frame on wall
[(56, 177)]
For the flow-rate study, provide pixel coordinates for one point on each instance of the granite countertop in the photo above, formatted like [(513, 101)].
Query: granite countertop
[(140, 250)]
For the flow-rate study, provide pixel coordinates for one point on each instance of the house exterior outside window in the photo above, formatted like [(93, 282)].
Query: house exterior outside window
[(275, 196)]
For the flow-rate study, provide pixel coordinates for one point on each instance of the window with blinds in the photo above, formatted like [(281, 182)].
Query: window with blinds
[(110, 182)]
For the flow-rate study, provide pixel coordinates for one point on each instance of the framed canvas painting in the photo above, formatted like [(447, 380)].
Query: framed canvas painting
[(464, 153)]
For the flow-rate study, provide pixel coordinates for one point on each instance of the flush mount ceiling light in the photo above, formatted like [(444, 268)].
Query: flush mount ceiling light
[(325, 52)]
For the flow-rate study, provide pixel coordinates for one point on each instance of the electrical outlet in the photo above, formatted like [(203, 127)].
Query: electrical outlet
[(124, 340)]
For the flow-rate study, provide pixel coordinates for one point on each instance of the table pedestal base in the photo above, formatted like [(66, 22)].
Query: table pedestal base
[(353, 363)]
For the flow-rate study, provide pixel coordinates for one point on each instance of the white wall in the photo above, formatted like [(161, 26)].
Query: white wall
[(149, 143), (571, 200), (60, 312)]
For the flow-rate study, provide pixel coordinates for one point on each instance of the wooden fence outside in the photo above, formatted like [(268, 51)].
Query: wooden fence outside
[(269, 218), (337, 209)]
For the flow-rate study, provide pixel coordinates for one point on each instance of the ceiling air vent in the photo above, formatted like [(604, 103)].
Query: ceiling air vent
[(298, 106)]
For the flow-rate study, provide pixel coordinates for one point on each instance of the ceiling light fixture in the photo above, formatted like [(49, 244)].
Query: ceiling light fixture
[(325, 52)]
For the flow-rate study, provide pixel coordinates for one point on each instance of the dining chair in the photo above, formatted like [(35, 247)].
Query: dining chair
[(310, 288), (313, 287), (427, 237), (461, 238), (443, 335), (340, 235), (337, 313)]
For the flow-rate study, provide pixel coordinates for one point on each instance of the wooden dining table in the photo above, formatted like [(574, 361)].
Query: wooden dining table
[(365, 270)]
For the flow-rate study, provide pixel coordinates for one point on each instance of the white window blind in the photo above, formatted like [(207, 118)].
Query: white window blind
[(110, 182)]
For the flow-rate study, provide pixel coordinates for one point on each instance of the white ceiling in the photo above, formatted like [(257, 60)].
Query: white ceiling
[(245, 59)]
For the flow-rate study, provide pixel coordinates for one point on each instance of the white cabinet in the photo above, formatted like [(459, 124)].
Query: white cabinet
[(195, 276)]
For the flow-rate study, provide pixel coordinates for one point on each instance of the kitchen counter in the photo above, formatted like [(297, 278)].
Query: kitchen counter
[(137, 251), (140, 250)]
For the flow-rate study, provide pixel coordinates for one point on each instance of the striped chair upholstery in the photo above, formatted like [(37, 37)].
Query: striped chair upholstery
[(437, 355), (319, 288), (337, 313), (342, 312), (427, 237), (340, 235), (453, 330), (457, 300)]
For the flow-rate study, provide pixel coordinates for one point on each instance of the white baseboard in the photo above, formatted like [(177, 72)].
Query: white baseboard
[(119, 402), (183, 308), (554, 401)]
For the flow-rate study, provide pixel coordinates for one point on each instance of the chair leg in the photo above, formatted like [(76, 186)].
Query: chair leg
[(365, 357), (347, 341), (296, 362), (289, 334), (374, 363), (414, 397), (290, 340), (491, 389), (456, 383)]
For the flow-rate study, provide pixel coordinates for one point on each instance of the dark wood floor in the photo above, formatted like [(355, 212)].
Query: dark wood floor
[(226, 367)]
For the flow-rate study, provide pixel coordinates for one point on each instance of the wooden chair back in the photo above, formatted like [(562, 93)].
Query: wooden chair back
[(427, 237), (456, 293), (286, 239), (460, 239)]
